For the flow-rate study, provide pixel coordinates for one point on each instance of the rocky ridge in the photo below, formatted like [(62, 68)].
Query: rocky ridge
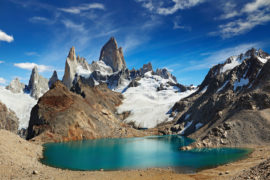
[(86, 113), (230, 103)]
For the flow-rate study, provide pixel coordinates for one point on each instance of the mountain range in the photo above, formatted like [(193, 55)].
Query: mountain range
[(106, 99)]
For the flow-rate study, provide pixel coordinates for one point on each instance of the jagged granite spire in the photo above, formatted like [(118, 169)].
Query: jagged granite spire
[(113, 56), (70, 68), (53, 79), (37, 85)]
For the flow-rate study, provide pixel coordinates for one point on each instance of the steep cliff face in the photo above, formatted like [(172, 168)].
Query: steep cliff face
[(70, 68), (37, 85), (112, 55), (231, 104), (8, 119), (63, 115)]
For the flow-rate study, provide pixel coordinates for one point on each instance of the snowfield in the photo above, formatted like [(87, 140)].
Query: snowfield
[(20, 103), (148, 106)]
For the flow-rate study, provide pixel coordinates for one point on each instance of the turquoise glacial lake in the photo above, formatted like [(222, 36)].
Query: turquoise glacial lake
[(137, 153)]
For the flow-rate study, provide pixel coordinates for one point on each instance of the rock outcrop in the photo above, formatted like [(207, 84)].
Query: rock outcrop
[(8, 119), (86, 113), (231, 106), (113, 56), (37, 85), (16, 86), (53, 79), (70, 68)]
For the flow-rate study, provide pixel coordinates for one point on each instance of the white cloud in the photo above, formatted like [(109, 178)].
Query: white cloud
[(83, 7), (30, 66), (220, 56), (5, 37), (1, 62), (71, 25), (2, 81), (244, 19), (177, 5)]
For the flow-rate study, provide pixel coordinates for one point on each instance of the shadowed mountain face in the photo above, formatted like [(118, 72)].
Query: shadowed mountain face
[(230, 106), (86, 113)]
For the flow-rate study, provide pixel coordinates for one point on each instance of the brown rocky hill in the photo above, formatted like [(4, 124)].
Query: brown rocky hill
[(63, 115), (8, 119), (231, 106)]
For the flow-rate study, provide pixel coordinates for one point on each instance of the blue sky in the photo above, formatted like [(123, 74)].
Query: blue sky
[(185, 36)]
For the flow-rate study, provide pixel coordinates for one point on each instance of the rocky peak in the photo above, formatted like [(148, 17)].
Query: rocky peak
[(70, 68), (53, 79), (71, 54), (37, 85), (164, 73), (16, 86), (113, 56), (147, 67)]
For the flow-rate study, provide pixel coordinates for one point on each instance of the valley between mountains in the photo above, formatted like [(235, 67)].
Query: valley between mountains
[(105, 99)]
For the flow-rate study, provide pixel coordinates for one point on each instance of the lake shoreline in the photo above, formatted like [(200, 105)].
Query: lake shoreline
[(20, 158)]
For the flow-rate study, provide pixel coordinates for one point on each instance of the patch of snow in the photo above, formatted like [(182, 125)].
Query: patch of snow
[(198, 125), (83, 72), (204, 89), (148, 106), (240, 83), (187, 125), (234, 62), (262, 59), (223, 86), (20, 103), (121, 87)]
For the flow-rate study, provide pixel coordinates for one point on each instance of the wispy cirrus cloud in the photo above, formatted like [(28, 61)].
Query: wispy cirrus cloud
[(159, 7), (244, 19), (30, 66), (40, 19), (32, 53), (1, 62), (83, 7), (5, 37), (212, 58)]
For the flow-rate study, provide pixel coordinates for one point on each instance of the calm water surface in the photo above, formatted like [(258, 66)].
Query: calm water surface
[(136, 153)]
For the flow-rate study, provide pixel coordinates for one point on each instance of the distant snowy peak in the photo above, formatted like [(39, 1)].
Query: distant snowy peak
[(234, 61), (16, 86), (110, 69), (236, 73)]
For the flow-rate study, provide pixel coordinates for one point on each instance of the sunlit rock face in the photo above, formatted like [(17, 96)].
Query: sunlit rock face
[(37, 85), (112, 55)]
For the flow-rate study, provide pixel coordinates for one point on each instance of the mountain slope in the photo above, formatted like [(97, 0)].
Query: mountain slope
[(62, 115), (231, 105)]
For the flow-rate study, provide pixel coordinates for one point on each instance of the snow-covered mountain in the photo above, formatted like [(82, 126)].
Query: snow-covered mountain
[(149, 95), (229, 103), (21, 98)]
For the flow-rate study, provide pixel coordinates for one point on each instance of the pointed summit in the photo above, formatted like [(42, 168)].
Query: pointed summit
[(37, 85), (113, 56), (70, 68), (53, 79), (71, 54)]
